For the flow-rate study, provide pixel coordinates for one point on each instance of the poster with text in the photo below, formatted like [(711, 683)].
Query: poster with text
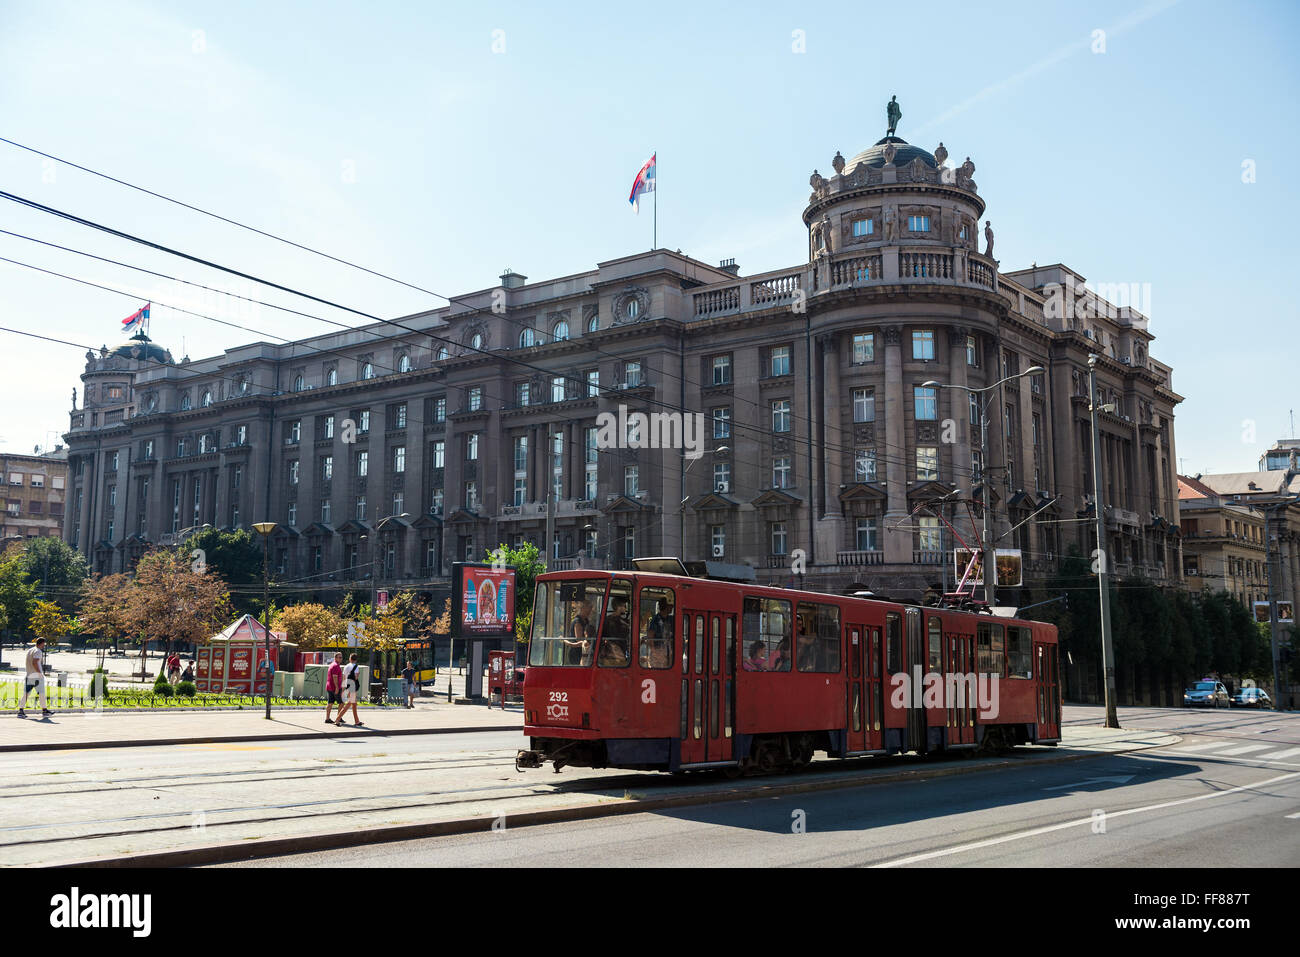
[(484, 599)]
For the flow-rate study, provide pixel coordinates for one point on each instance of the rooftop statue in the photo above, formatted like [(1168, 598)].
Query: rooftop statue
[(895, 113)]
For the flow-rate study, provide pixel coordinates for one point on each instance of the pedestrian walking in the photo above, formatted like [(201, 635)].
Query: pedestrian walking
[(173, 668), (35, 679), (408, 683), (351, 691), (334, 687)]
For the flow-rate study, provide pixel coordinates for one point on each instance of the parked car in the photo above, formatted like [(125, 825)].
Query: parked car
[(1207, 694), (1252, 698)]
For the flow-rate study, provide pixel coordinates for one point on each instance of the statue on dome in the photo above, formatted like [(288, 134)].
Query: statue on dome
[(894, 112), (988, 236)]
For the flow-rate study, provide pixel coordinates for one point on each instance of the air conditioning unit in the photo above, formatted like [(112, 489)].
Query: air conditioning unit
[(723, 487), (717, 551), (1128, 361)]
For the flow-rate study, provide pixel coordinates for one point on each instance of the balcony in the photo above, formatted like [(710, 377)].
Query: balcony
[(926, 557), (870, 557)]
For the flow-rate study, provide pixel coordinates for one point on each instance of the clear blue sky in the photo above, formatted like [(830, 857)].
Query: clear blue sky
[(394, 135)]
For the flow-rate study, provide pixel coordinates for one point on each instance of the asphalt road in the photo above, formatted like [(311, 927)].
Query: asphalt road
[(1155, 809)]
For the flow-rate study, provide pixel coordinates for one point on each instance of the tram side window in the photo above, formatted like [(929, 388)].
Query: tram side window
[(991, 657), (1020, 662), (935, 658), (565, 618), (616, 634), (894, 643), (817, 639), (657, 628), (767, 632)]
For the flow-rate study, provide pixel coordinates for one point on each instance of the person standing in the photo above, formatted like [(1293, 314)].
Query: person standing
[(351, 691), (173, 668), (35, 678), (408, 683), (334, 687)]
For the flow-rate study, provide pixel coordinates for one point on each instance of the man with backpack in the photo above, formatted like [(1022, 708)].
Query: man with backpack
[(351, 691), (35, 678)]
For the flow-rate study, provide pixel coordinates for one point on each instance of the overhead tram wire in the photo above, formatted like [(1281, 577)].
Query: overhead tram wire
[(476, 310), (548, 372)]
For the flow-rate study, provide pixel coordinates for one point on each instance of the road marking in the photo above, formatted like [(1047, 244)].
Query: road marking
[(1203, 746), (992, 842), (1293, 817), (1118, 779), (1243, 749), (1282, 754)]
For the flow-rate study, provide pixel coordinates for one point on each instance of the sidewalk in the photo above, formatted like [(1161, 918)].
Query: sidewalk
[(90, 730)]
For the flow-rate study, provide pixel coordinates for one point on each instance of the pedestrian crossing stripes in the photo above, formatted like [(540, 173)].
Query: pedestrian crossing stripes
[(1234, 749), (1244, 749)]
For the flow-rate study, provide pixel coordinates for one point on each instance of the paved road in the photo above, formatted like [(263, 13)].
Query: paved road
[(1179, 806)]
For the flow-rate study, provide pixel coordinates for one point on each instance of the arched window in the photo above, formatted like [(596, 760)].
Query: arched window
[(593, 324), (367, 370), (297, 384), (560, 331), (207, 398), (185, 402), (243, 385), (151, 402), (404, 363), (527, 338), (477, 341), (633, 308), (443, 353), (332, 376)]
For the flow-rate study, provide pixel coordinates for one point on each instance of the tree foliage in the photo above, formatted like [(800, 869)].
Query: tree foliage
[(17, 593), (528, 564), (235, 556), (173, 602), (55, 569), (310, 625), (48, 621)]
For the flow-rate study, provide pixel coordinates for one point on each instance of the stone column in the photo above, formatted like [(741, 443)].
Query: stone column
[(899, 453), (957, 401)]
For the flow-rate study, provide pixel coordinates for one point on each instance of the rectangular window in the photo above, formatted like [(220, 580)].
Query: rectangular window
[(435, 502), (777, 536), (658, 628), (326, 468), (471, 495), (325, 511), (440, 409), (399, 503), (918, 224), (1036, 422), (293, 472), (363, 464), (475, 399), (722, 476), (780, 415), (471, 447), (631, 375), (439, 454), (399, 416), (972, 352), (864, 227), (631, 480), (399, 459), (779, 361), (923, 344), (928, 535), (327, 427), (974, 410), (864, 405), (361, 508), (593, 383), (926, 403), (293, 432), (769, 622), (363, 420), (718, 540), (817, 638), (927, 464), (293, 514), (722, 370), (782, 474), (557, 388), (864, 465), (865, 535), (864, 348), (722, 423)]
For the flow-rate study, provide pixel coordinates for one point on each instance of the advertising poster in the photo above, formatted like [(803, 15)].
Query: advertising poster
[(484, 600), (202, 669), (259, 686), (1009, 571), (240, 678), (1285, 612), (960, 559)]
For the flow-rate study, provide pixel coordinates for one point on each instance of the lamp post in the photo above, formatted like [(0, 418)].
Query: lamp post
[(265, 529), (1103, 559), (681, 508), (988, 565)]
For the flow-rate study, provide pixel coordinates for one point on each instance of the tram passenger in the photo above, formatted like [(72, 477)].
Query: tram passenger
[(578, 648), (807, 647), (615, 638), (658, 636), (757, 660), (781, 660)]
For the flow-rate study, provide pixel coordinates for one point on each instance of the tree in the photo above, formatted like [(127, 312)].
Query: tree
[(16, 589), (309, 625), (173, 602), (527, 563), (55, 569), (48, 621), (106, 609), (384, 631), (236, 557)]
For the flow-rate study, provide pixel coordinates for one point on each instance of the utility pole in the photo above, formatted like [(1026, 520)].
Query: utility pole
[(1274, 626), (1103, 559)]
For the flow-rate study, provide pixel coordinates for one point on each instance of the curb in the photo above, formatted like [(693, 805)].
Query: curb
[(335, 840), (365, 731)]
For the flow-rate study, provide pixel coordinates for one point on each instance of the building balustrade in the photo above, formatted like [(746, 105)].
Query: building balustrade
[(860, 557)]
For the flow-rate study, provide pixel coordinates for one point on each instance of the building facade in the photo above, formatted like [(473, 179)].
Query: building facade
[(387, 451), (35, 494)]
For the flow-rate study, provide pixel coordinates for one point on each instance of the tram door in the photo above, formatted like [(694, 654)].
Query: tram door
[(857, 715), (916, 657), (962, 709), (1049, 696), (708, 686), (874, 717)]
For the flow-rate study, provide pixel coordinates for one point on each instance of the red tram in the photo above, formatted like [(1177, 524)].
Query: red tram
[(653, 671)]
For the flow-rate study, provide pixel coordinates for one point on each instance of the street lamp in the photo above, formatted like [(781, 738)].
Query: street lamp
[(265, 529), (987, 561), (1103, 559), (681, 508), (379, 527)]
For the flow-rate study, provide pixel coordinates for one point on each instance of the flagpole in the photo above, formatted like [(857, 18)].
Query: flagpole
[(655, 244)]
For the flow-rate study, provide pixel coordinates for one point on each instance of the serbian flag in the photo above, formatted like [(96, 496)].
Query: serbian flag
[(644, 183), (136, 319)]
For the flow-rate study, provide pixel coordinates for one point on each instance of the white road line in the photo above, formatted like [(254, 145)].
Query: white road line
[(1244, 749), (1280, 755), (1293, 817), (1079, 822), (1203, 746)]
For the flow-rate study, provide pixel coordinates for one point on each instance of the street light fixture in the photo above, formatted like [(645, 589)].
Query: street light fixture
[(265, 529), (987, 560), (1103, 557)]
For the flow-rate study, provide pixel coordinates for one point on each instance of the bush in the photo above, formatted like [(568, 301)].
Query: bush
[(186, 689), (163, 690)]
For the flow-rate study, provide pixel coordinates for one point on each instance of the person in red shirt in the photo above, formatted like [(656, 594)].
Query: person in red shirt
[(334, 687), (174, 668)]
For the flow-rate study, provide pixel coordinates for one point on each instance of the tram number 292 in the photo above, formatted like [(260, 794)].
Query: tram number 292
[(559, 696)]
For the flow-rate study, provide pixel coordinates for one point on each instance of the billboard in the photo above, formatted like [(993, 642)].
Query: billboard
[(1285, 613), (1008, 573), (483, 600)]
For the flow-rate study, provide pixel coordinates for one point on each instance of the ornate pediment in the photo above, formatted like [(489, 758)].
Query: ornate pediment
[(928, 490), (354, 527), (427, 521), (862, 492), (775, 498), (714, 500), (624, 503), (463, 516), (318, 530)]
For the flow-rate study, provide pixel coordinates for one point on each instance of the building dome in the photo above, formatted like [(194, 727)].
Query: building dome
[(142, 348), (874, 156)]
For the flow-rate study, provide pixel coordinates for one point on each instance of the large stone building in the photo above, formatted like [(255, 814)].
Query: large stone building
[(393, 449), (35, 493)]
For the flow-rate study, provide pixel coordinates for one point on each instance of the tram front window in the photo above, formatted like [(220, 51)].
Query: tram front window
[(566, 616)]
